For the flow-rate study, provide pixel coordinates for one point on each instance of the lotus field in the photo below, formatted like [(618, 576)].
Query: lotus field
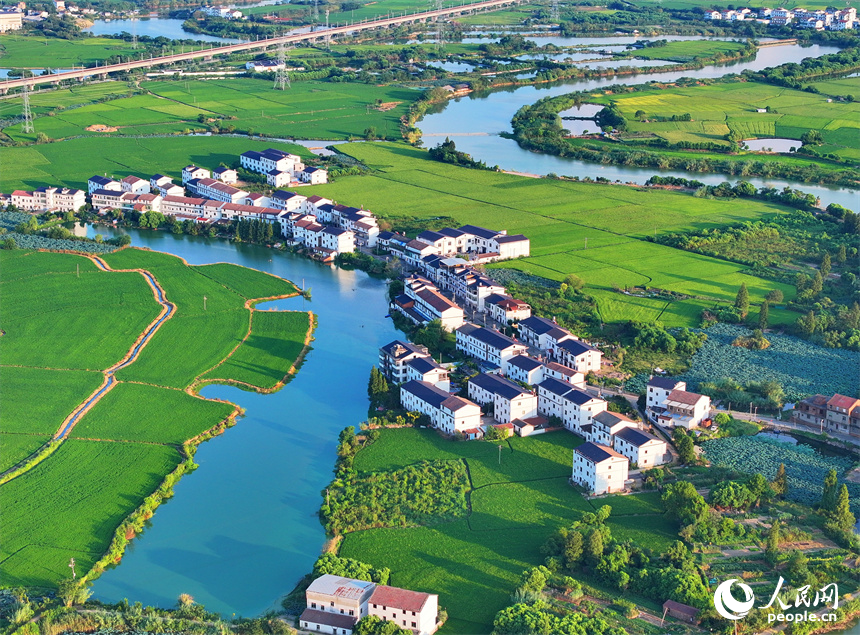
[(801, 367), (805, 467)]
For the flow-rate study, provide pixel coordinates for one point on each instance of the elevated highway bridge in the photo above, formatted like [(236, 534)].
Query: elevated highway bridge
[(311, 36)]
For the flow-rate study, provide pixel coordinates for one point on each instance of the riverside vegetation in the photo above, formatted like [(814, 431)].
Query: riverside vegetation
[(90, 493)]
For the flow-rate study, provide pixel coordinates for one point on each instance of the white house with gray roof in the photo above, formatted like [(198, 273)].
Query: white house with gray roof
[(394, 357), (599, 469), (426, 369), (642, 449), (578, 355), (447, 412), (605, 425), (525, 369), (510, 401), (573, 406), (488, 345)]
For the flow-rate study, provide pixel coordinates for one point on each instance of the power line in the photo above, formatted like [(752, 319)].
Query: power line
[(27, 126)]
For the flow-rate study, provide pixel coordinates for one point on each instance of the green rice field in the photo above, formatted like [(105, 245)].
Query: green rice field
[(595, 231), (69, 505), (35, 51), (60, 316), (518, 498), (102, 313), (259, 361), (162, 415), (688, 50), (309, 109), (721, 108), (38, 165)]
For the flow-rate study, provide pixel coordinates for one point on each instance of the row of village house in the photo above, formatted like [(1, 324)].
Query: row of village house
[(321, 225), (832, 20), (522, 392)]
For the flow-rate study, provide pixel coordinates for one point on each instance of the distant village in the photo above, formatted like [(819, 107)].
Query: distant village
[(830, 20), (14, 16)]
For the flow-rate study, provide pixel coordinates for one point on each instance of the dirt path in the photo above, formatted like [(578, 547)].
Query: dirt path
[(109, 382)]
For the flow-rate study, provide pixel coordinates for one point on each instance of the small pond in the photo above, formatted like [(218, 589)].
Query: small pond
[(772, 145)]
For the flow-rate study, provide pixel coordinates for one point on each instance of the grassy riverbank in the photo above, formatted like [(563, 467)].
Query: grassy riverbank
[(71, 503), (517, 498), (594, 231), (723, 108)]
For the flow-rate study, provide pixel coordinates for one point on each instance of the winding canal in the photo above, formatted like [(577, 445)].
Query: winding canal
[(242, 529)]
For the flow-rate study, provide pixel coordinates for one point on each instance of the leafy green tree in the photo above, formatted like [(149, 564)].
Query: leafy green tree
[(841, 255), (377, 387), (763, 315), (780, 483), (684, 445), (742, 300), (574, 283), (573, 549), (730, 495), (534, 580), (683, 503), (825, 265), (842, 516), (830, 492), (759, 488), (817, 284), (593, 549), (775, 296), (772, 550), (374, 625), (812, 138), (806, 324)]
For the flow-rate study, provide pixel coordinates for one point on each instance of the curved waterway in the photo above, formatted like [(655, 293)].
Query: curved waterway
[(475, 121), (242, 529)]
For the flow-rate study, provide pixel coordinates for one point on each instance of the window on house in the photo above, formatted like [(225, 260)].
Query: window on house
[(351, 612), (414, 625), (313, 605), (332, 603)]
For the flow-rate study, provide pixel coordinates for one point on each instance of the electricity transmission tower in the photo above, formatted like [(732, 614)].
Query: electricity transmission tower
[(554, 12), (316, 12), (282, 77), (134, 33), (27, 126), (327, 34)]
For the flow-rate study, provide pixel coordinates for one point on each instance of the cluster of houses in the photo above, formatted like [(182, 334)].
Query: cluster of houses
[(831, 20), (336, 604), (60, 199), (282, 168), (838, 413), (518, 393), (423, 299), (227, 13)]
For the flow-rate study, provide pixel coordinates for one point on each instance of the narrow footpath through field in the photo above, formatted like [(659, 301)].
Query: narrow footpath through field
[(168, 309)]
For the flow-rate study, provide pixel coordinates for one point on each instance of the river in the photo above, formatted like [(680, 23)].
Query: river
[(242, 529), (475, 121)]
